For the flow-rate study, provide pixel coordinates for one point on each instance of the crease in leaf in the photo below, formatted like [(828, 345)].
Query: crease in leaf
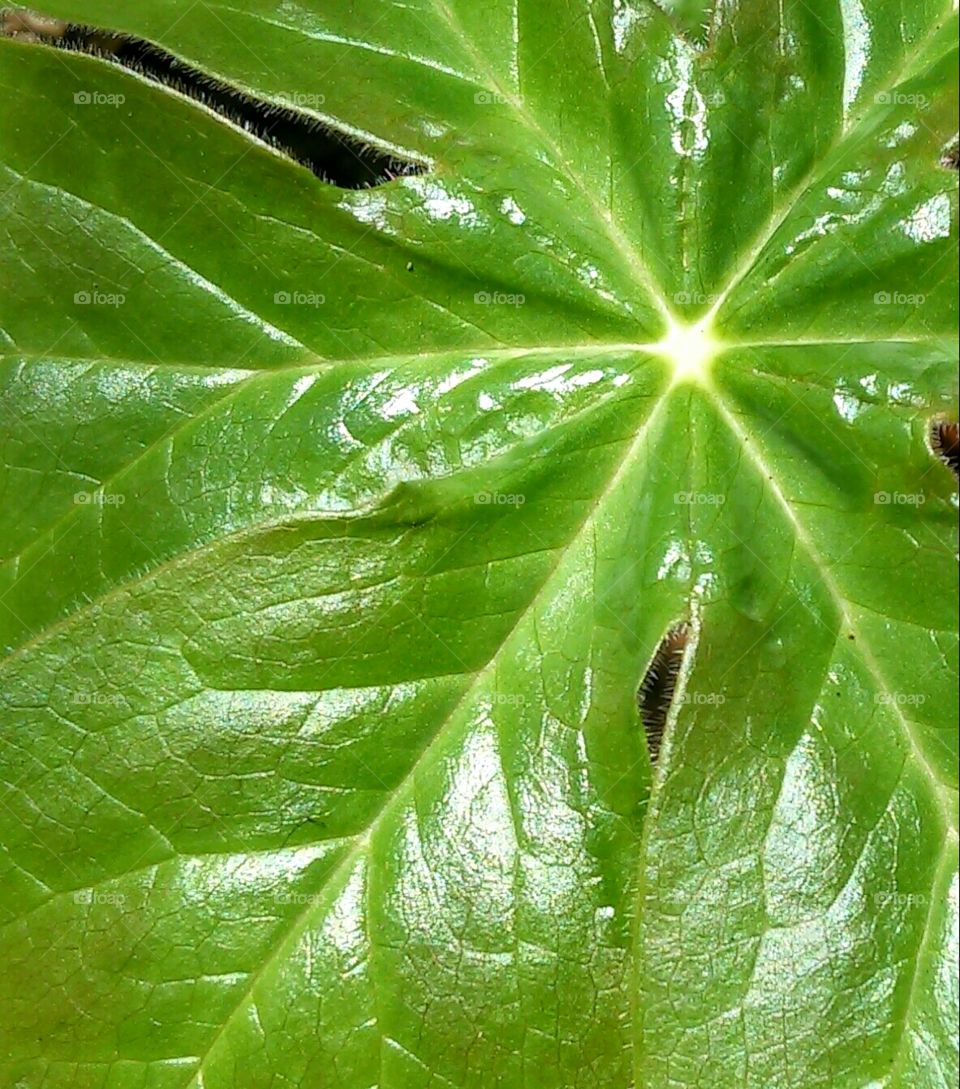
[(658, 688), (334, 156)]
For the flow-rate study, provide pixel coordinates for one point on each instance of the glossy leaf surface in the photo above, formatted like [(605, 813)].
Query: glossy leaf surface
[(339, 529)]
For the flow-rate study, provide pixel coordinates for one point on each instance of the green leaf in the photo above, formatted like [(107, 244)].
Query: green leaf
[(340, 529)]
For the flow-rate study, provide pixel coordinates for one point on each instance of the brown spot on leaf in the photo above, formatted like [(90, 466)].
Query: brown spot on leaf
[(945, 440)]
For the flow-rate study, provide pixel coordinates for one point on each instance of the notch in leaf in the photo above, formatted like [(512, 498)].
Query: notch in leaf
[(659, 685), (945, 440), (334, 156)]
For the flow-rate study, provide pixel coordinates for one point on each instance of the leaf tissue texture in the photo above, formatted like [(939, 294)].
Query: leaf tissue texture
[(341, 528)]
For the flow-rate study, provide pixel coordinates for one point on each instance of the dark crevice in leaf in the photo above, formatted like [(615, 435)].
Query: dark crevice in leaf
[(945, 440), (951, 155), (659, 684), (335, 157)]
